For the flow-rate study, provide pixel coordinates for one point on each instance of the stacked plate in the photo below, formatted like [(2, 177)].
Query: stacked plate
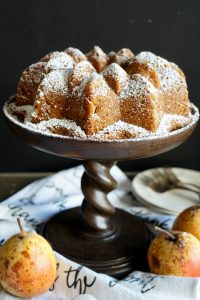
[(171, 201)]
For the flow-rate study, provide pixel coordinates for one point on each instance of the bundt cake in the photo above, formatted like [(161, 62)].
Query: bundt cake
[(102, 95)]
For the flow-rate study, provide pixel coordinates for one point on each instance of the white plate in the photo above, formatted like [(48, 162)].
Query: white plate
[(170, 202)]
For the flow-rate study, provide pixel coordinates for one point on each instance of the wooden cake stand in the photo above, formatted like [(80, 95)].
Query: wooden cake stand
[(97, 235)]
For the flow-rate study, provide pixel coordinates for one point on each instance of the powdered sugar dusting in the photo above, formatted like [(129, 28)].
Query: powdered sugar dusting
[(55, 81), (154, 60), (61, 61), (168, 75), (68, 75), (43, 126), (27, 109), (33, 73), (138, 86), (76, 54), (79, 89), (47, 126), (82, 68), (98, 51), (50, 55), (98, 85), (31, 77), (168, 123), (101, 88), (120, 126), (79, 76), (80, 72), (169, 79), (115, 72)]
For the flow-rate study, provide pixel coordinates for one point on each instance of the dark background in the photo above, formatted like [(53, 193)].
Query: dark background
[(30, 28)]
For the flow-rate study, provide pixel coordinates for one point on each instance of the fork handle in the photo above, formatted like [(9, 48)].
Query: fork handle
[(188, 185), (188, 189), (192, 185)]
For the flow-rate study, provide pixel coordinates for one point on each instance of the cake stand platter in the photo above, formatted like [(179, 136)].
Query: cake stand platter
[(97, 235)]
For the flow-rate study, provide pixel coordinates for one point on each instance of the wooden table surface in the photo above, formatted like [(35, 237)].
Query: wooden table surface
[(10, 183)]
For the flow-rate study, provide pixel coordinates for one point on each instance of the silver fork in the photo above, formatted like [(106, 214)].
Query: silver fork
[(164, 179)]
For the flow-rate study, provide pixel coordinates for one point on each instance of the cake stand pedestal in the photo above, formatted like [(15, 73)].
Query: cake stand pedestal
[(97, 235)]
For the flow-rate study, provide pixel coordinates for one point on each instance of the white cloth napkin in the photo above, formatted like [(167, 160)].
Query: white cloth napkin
[(43, 198)]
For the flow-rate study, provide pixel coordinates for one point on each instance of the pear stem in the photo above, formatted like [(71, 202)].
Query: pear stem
[(168, 233), (23, 233)]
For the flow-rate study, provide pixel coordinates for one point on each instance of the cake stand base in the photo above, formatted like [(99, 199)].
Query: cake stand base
[(116, 255)]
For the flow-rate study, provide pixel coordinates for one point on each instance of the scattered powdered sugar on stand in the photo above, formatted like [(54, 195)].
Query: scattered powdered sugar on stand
[(168, 125)]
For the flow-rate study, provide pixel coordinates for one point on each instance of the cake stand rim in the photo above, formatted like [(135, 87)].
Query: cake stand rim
[(19, 124)]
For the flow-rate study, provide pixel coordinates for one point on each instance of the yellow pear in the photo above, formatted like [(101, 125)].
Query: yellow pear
[(174, 253), (189, 221), (27, 264)]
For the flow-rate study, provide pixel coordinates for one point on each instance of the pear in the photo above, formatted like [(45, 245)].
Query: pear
[(27, 264), (189, 221), (175, 253)]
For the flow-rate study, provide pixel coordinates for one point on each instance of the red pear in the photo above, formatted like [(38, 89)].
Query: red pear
[(189, 221), (175, 253)]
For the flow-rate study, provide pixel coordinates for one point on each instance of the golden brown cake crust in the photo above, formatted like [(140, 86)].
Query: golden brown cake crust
[(98, 58), (51, 97), (142, 68), (116, 77), (140, 103), (28, 84), (99, 102), (76, 54), (123, 57), (96, 90)]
